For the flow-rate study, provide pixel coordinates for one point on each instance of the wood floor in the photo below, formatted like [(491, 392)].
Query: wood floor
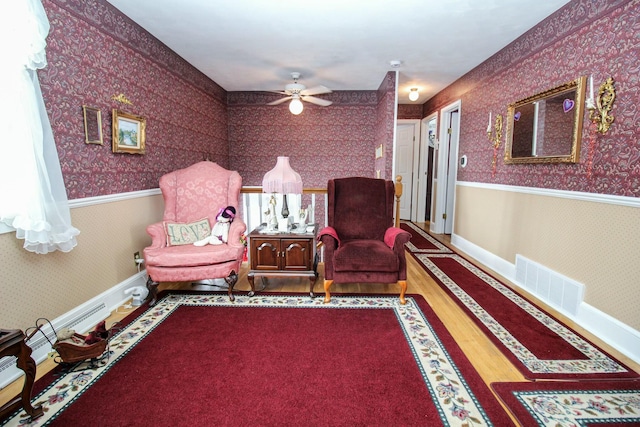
[(486, 358)]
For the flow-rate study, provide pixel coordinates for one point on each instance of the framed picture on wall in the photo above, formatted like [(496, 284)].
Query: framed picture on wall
[(128, 133), (92, 125)]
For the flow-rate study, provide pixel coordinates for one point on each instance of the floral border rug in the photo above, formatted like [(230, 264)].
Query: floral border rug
[(517, 326), (421, 241), (452, 385), (570, 404)]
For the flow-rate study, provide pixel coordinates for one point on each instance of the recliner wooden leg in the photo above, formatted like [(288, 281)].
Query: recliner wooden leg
[(327, 294), (403, 289)]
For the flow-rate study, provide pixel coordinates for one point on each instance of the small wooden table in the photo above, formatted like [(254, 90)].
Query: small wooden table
[(12, 343), (276, 253)]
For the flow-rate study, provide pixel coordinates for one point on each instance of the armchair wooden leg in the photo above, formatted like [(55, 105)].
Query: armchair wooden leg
[(152, 286), (231, 282), (403, 289), (327, 294)]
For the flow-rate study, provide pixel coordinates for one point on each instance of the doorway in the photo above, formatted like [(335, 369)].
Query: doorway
[(427, 167), (406, 165), (445, 177)]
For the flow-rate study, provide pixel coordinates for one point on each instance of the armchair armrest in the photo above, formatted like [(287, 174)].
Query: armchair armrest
[(235, 231), (329, 237), (158, 235), (395, 238)]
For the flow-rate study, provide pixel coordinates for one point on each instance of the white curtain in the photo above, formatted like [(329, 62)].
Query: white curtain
[(33, 198)]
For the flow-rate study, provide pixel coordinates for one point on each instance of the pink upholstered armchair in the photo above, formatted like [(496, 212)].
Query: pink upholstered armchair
[(192, 195), (361, 245)]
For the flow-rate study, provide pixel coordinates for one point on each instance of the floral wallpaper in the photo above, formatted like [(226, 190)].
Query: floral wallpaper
[(385, 128), (586, 37), (321, 142), (409, 111), (94, 52)]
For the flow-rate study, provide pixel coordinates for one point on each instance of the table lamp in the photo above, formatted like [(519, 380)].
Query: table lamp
[(282, 179)]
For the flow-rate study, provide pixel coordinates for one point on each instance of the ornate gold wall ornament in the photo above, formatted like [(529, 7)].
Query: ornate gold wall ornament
[(121, 98), (495, 136), (599, 113)]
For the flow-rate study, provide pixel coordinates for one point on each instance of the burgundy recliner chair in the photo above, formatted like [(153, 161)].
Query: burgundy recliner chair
[(361, 245)]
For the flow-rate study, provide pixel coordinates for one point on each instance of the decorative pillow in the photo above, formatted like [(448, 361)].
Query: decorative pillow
[(186, 234)]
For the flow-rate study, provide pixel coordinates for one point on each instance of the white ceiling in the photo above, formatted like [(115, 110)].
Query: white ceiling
[(254, 45)]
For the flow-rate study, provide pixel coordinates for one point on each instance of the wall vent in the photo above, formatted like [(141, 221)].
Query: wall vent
[(553, 288)]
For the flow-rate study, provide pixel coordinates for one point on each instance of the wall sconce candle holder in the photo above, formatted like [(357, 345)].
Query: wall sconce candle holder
[(495, 137), (599, 112)]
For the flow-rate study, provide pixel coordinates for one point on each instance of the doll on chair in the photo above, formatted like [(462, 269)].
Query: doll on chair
[(220, 231)]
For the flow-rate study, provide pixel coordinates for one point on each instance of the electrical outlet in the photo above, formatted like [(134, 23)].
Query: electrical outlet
[(136, 257)]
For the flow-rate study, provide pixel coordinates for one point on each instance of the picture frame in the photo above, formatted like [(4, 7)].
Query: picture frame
[(92, 125), (128, 133)]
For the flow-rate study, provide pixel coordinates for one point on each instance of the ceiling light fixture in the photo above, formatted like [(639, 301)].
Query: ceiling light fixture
[(296, 106), (413, 94)]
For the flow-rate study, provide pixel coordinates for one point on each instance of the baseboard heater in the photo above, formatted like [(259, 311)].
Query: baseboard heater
[(559, 291)]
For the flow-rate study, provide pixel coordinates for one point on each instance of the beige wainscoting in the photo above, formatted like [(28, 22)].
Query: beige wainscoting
[(596, 243), (34, 286)]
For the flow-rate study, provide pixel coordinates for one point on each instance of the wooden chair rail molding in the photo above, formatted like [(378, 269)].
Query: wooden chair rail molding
[(398, 194), (258, 190)]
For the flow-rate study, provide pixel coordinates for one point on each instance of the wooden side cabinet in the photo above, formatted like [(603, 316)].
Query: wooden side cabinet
[(283, 254)]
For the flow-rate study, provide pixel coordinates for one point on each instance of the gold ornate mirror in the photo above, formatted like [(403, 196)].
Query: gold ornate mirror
[(547, 127), (92, 125)]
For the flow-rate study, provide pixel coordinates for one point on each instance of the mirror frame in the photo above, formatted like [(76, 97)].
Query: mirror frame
[(92, 125), (574, 157)]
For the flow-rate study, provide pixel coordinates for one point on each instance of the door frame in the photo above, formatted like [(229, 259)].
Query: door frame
[(438, 226), (423, 167), (415, 164)]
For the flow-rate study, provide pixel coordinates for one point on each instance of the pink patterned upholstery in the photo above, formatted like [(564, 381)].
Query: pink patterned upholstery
[(190, 194)]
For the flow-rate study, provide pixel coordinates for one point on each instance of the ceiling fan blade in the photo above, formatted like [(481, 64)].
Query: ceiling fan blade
[(280, 101), (317, 101), (316, 90)]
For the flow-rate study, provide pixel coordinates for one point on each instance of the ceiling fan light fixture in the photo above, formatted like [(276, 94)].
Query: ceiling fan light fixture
[(296, 106), (414, 94)]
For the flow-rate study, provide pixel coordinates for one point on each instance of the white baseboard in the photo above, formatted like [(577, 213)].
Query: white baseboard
[(615, 333), (497, 264), (81, 319)]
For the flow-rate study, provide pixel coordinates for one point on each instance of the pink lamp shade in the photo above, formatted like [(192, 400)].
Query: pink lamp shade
[(282, 179)]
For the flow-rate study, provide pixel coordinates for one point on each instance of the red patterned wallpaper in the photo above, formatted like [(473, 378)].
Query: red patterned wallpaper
[(321, 142), (409, 111), (385, 127), (586, 37), (95, 52)]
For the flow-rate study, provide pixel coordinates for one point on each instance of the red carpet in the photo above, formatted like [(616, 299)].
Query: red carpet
[(280, 360), (421, 241), (538, 344), (561, 403)]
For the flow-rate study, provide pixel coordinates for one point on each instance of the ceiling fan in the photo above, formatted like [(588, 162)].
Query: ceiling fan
[(297, 93)]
